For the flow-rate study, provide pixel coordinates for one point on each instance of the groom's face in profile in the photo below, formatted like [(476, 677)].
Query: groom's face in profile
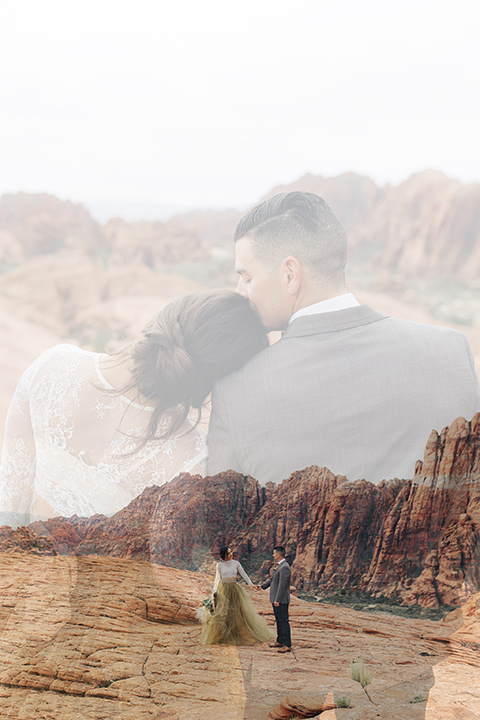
[(262, 283)]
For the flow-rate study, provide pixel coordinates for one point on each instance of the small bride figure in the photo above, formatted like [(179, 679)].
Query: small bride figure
[(234, 620)]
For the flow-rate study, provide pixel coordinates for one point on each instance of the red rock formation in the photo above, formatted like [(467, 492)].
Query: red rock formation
[(32, 225), (42, 224), (414, 540), (152, 244), (214, 227), (428, 226)]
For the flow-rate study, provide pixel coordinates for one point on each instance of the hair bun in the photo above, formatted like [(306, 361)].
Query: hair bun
[(194, 341)]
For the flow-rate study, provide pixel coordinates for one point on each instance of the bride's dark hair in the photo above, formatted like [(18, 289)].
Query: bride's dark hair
[(194, 341), (224, 552)]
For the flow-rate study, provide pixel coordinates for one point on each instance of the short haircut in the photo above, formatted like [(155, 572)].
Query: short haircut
[(301, 224), (281, 550)]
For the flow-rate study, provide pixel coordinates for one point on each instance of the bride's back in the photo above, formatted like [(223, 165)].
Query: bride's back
[(76, 445), (86, 438)]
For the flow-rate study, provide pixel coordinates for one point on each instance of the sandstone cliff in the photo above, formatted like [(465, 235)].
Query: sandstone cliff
[(34, 225), (42, 224), (416, 540), (152, 244), (427, 227)]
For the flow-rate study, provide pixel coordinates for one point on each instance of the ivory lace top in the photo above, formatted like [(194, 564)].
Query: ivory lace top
[(228, 570), (68, 439)]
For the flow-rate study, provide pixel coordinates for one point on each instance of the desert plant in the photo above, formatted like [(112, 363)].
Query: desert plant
[(360, 674), (343, 702), (418, 698)]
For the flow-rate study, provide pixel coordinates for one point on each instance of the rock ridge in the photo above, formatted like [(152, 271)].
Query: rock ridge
[(416, 540)]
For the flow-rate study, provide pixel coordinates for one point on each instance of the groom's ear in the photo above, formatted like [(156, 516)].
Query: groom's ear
[(292, 274)]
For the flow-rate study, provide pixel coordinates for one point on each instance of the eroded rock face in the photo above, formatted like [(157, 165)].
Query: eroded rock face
[(414, 540), (427, 226), (152, 244), (40, 224)]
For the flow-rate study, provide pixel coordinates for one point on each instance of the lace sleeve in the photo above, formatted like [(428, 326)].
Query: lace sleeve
[(218, 577), (243, 574), (190, 453), (17, 469)]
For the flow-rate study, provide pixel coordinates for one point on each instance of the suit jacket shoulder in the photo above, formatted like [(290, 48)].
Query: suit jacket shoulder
[(382, 383)]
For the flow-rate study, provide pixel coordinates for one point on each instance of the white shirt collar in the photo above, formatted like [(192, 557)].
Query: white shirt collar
[(280, 561), (340, 302)]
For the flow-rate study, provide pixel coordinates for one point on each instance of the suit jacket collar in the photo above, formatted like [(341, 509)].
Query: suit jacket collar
[(333, 321)]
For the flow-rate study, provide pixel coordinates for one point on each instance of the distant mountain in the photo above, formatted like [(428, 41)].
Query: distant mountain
[(35, 225), (425, 228), (42, 224)]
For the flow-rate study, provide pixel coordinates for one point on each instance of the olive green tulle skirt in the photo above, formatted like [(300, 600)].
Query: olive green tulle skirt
[(235, 620)]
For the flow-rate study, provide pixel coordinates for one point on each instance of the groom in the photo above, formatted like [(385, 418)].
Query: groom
[(347, 387), (279, 585)]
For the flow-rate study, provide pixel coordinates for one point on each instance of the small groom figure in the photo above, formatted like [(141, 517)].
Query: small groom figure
[(279, 585)]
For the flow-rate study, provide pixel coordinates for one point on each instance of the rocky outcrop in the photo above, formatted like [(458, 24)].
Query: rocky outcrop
[(152, 244), (427, 226), (418, 541), (42, 224), (34, 225), (302, 705), (413, 540)]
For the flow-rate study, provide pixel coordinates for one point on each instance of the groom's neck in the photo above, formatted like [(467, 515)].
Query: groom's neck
[(316, 294)]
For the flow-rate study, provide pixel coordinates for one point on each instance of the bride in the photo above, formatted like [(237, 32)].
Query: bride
[(234, 620), (87, 432)]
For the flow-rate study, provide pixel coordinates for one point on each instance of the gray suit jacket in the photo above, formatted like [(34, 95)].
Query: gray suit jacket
[(353, 390), (279, 584)]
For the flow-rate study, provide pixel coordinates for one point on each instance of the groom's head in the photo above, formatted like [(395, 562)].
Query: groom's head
[(290, 252)]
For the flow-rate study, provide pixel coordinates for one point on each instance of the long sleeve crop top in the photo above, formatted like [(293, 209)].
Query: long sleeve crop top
[(229, 570)]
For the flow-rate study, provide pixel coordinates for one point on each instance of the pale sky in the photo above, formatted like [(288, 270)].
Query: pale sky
[(196, 104)]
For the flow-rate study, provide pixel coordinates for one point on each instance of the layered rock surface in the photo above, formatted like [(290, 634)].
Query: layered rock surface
[(34, 225), (417, 540), (112, 638)]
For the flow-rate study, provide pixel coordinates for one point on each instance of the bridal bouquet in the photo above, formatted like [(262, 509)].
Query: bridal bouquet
[(205, 609)]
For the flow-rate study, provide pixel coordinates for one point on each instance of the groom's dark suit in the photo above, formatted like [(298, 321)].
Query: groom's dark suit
[(279, 585), (352, 390)]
